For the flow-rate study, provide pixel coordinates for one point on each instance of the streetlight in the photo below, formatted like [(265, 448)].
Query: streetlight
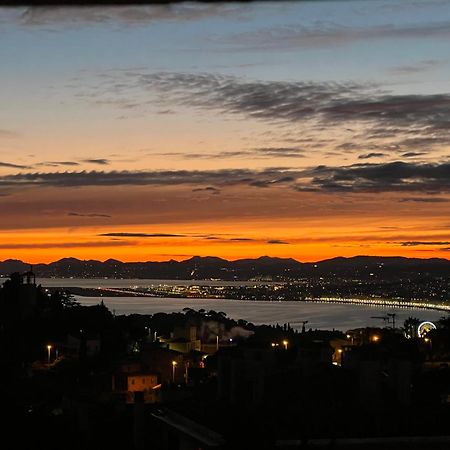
[(174, 365), (49, 349), (285, 343), (186, 372)]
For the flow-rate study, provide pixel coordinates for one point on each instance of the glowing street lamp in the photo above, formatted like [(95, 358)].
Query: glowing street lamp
[(174, 365), (285, 343), (49, 349)]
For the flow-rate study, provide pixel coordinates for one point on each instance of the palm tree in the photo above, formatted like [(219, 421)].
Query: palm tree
[(410, 326)]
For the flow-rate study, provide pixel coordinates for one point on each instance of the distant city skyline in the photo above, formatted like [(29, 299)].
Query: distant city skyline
[(301, 129)]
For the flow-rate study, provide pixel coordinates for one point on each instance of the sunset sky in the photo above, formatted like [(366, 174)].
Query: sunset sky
[(300, 129)]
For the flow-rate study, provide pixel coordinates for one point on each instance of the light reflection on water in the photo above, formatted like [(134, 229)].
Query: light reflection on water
[(319, 315)]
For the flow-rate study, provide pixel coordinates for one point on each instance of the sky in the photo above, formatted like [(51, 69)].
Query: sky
[(306, 130)]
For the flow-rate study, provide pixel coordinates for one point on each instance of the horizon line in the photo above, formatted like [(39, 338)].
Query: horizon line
[(229, 260)]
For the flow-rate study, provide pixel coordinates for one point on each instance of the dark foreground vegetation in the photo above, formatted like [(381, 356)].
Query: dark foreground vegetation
[(75, 377)]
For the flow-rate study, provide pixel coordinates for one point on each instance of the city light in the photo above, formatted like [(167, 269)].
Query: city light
[(49, 349), (174, 365), (285, 343)]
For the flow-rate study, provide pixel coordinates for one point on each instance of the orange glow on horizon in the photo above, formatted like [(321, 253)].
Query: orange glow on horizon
[(44, 246)]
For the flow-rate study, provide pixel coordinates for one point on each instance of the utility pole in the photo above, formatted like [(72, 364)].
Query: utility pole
[(393, 319)]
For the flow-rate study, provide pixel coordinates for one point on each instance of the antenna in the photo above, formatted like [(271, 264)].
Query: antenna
[(304, 322), (387, 319), (393, 319)]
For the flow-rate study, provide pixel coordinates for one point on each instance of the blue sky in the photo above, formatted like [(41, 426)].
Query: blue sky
[(342, 104)]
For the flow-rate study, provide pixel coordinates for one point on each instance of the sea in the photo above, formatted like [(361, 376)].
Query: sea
[(319, 315)]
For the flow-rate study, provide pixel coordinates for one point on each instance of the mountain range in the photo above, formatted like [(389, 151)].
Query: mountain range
[(266, 268)]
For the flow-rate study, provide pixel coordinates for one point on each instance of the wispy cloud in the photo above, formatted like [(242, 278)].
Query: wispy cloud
[(208, 189), (409, 121), (136, 178), (323, 34), (425, 199), (258, 153), (58, 163), (418, 67), (413, 154), (99, 161), (92, 215), (371, 155), (418, 243), (142, 235), (44, 245), (8, 134), (61, 17), (396, 176), (13, 166)]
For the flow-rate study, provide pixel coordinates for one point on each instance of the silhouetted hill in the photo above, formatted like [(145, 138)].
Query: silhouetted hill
[(13, 265), (358, 267)]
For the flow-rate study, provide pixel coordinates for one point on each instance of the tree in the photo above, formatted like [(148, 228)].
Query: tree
[(410, 326)]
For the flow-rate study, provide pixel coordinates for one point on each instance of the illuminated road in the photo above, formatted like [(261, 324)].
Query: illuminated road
[(392, 303)]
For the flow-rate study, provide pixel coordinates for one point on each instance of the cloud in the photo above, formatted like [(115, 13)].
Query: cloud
[(417, 243), (371, 155), (122, 15), (208, 189), (276, 241), (13, 166), (263, 153), (408, 120), (8, 134), (271, 182), (44, 245), (418, 67), (294, 36), (279, 152), (141, 235), (172, 235), (222, 177), (413, 154), (270, 100), (99, 161), (94, 215), (396, 176), (58, 163), (425, 199)]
